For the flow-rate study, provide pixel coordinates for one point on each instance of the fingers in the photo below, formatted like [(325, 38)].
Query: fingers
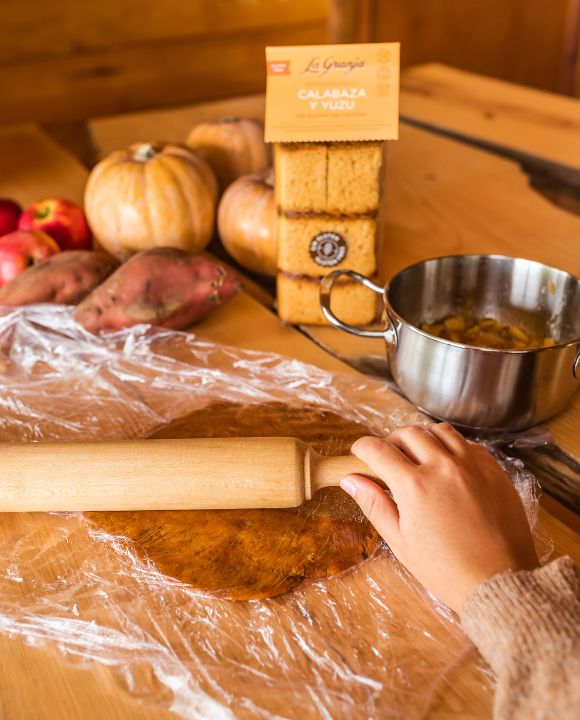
[(384, 459), (449, 438), (418, 444), (376, 505)]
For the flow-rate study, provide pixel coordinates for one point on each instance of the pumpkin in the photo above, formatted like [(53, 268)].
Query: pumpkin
[(151, 195), (232, 146), (247, 222)]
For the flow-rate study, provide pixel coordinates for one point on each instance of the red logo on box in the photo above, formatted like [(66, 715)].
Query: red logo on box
[(279, 67)]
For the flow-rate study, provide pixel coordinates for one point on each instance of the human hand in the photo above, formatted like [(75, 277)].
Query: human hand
[(455, 519)]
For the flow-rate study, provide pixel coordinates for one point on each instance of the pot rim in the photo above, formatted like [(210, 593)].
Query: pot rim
[(495, 256)]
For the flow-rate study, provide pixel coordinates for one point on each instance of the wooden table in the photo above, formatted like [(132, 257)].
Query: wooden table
[(443, 196)]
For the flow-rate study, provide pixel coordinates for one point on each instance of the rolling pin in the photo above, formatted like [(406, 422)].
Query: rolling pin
[(191, 474)]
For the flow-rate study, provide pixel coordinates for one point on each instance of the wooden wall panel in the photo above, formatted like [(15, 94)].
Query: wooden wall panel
[(69, 60), (65, 60), (36, 28), (525, 41)]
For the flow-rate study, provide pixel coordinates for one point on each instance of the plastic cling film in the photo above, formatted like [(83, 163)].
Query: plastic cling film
[(367, 643)]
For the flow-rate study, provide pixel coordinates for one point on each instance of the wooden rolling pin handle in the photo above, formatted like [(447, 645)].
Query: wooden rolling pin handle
[(328, 471)]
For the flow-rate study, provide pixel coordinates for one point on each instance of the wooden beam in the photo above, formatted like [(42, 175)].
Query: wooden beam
[(171, 73), (39, 30), (570, 72), (351, 21)]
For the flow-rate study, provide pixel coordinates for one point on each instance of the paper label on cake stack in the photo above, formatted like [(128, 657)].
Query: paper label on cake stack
[(332, 92), (328, 110)]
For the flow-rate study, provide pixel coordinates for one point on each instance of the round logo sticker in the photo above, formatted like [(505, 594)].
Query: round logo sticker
[(327, 249)]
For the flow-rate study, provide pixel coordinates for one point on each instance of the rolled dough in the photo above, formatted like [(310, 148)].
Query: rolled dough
[(250, 554)]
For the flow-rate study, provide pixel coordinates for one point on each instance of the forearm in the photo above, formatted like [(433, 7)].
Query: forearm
[(526, 625)]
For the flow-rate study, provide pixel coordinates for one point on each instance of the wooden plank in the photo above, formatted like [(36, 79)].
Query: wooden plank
[(33, 167), (569, 518), (570, 74), (518, 40), (112, 133), (533, 42), (36, 30), (171, 72), (511, 118), (37, 684), (445, 197), (351, 21)]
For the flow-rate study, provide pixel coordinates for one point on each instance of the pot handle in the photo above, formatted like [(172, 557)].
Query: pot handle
[(576, 367), (325, 290)]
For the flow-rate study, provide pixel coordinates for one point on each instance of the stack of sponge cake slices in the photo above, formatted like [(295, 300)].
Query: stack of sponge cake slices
[(328, 197)]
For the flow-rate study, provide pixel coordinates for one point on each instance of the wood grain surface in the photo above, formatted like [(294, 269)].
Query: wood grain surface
[(70, 60), (65, 61), (69, 28), (33, 167), (508, 117), (525, 41), (40, 684)]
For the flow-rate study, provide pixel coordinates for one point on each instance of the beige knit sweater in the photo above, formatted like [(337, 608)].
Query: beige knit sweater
[(527, 627)]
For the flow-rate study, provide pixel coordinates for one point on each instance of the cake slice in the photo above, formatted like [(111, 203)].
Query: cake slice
[(332, 178), (318, 244), (353, 178), (299, 301), (300, 176)]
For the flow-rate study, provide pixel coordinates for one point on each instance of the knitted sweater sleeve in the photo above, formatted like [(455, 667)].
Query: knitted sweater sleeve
[(526, 625)]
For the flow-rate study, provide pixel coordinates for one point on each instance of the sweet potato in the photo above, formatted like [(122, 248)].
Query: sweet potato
[(162, 286), (65, 279)]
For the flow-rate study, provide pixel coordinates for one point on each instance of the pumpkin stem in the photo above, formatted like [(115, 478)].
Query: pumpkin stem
[(145, 151)]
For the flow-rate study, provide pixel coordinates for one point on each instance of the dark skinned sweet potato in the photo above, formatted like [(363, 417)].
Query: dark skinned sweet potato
[(64, 279), (163, 286)]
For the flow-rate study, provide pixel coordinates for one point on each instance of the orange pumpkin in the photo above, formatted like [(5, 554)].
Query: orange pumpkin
[(232, 146), (151, 195), (247, 222)]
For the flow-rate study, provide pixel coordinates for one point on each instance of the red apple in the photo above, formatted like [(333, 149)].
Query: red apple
[(10, 211), (61, 219), (21, 249)]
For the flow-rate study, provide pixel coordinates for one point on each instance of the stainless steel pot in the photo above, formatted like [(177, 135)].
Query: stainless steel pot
[(478, 387)]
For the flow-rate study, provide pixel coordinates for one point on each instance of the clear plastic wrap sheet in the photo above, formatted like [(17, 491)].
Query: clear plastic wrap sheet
[(367, 644)]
